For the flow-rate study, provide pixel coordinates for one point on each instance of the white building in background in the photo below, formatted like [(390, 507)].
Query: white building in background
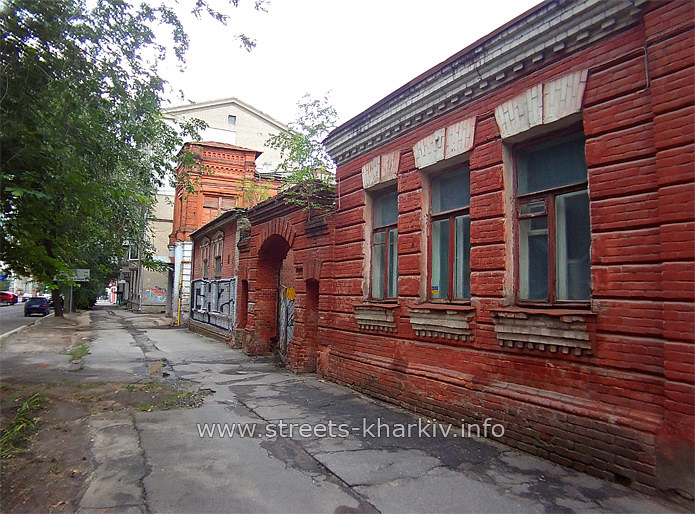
[(236, 123)]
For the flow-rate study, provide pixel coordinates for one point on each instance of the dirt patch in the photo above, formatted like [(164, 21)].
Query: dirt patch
[(49, 474)]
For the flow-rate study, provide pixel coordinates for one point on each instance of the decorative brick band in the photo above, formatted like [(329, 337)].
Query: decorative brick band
[(444, 321), (550, 30), (553, 331), (375, 316)]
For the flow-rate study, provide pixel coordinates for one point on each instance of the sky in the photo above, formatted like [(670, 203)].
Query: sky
[(358, 50)]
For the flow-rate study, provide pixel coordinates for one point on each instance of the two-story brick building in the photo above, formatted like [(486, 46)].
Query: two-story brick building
[(513, 239), (225, 179)]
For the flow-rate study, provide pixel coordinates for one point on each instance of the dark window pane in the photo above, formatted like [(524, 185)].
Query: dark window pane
[(549, 165), (386, 210), (451, 191), (462, 258), (440, 259), (378, 261), (392, 283), (573, 246), (533, 258)]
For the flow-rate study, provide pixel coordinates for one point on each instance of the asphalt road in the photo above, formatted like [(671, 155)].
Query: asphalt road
[(12, 316)]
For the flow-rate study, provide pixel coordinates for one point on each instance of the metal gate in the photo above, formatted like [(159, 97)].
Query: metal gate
[(286, 297), (214, 302)]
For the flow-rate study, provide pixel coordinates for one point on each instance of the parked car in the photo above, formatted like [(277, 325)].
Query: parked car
[(50, 301), (37, 305), (8, 298), (26, 296)]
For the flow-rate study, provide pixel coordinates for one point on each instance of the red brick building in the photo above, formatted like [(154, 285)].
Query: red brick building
[(219, 188), (513, 239), (225, 179)]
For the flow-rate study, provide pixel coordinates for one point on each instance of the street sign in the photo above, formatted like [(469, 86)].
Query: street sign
[(76, 275)]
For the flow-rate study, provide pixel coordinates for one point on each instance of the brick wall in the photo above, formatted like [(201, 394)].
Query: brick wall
[(607, 387), (229, 251), (276, 228), (622, 410)]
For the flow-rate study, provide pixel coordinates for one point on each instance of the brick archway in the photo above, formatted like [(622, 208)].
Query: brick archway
[(271, 255), (278, 227)]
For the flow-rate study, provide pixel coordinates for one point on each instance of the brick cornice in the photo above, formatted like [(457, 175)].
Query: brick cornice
[(552, 29)]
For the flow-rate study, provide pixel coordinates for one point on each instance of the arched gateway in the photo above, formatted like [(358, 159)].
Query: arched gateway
[(282, 296)]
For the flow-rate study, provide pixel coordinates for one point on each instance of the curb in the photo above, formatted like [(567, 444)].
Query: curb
[(19, 329)]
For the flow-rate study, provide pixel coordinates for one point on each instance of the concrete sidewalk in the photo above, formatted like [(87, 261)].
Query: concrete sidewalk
[(358, 472), (159, 462)]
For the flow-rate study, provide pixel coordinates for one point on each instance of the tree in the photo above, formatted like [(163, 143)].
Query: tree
[(253, 191), (83, 145), (306, 167)]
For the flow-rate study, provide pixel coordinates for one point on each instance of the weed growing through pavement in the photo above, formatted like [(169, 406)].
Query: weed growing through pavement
[(177, 400), (78, 352), (24, 423)]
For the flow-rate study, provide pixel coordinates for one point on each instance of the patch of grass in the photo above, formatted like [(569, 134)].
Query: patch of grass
[(147, 386), (78, 352), (15, 437), (89, 385), (177, 400), (6, 388)]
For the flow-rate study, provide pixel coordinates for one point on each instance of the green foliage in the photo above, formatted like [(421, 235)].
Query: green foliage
[(253, 192), (177, 400), (306, 168), (14, 438), (78, 352), (84, 146)]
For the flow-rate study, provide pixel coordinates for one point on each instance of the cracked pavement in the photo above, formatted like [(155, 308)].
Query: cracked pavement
[(158, 461)]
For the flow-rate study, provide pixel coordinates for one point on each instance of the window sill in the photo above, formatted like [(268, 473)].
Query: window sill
[(446, 306), (545, 329), (374, 316), (442, 320), (389, 302)]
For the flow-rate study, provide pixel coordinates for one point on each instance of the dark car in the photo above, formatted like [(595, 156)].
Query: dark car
[(8, 298), (51, 304), (37, 305)]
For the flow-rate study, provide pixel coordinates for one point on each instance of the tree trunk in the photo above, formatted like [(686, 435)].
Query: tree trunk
[(57, 303)]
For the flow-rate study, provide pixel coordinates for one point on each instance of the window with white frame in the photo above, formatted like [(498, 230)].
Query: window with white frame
[(205, 257), (552, 221), (217, 248), (385, 246), (450, 231)]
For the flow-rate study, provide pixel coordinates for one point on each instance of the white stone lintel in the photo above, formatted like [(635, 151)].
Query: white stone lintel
[(542, 104), (445, 143), (381, 169)]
